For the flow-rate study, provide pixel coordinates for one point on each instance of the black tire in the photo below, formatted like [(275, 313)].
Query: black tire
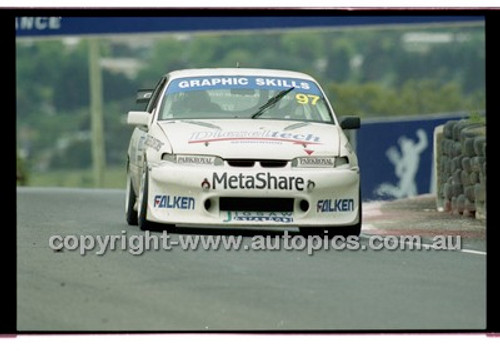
[(345, 231), (351, 230), (143, 223), (130, 199), (355, 230)]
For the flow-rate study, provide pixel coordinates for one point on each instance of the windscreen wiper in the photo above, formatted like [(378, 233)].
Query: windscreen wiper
[(271, 102)]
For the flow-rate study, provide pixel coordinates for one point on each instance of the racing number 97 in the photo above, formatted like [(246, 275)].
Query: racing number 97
[(305, 99)]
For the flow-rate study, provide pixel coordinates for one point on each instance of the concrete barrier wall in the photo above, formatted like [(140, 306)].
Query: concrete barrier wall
[(460, 166)]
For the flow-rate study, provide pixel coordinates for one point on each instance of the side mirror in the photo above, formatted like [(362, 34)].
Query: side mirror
[(139, 118), (143, 96), (350, 122)]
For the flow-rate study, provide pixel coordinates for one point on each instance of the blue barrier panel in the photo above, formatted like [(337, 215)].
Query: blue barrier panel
[(395, 155), (69, 25)]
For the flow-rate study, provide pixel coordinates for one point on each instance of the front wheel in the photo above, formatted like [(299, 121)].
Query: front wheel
[(144, 224), (345, 231), (130, 200)]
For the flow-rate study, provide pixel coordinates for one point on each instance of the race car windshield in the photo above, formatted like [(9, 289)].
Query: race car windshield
[(271, 102), (245, 97)]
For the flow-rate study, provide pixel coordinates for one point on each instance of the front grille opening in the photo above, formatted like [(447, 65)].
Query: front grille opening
[(251, 163), (273, 163), (256, 204), (241, 163)]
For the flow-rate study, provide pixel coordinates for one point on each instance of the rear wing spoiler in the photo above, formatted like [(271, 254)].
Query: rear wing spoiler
[(143, 95)]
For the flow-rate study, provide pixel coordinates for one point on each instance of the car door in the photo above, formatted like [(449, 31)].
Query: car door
[(137, 141)]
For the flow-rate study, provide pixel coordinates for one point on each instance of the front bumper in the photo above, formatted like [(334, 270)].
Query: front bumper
[(253, 197)]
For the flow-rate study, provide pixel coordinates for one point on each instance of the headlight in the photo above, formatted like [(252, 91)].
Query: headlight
[(194, 160), (320, 162)]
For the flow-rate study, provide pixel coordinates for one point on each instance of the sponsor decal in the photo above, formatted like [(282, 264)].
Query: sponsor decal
[(205, 184), (140, 143), (153, 142), (245, 216), (253, 136), (316, 161), (213, 82), (174, 202), (242, 82), (261, 180), (310, 185), (335, 205), (38, 23), (196, 160)]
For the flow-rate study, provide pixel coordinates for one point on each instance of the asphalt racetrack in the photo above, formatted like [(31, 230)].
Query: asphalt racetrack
[(227, 290)]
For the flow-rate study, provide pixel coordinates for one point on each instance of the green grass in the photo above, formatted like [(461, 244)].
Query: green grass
[(476, 117), (114, 177)]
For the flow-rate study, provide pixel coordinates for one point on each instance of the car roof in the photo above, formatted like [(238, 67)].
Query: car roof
[(262, 72)]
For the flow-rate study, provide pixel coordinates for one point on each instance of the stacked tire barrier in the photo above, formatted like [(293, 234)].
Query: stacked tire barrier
[(460, 161)]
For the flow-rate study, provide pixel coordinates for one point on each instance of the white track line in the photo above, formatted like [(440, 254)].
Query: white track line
[(425, 246), (473, 252)]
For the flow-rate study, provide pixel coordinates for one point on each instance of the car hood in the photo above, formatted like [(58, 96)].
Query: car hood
[(262, 139)]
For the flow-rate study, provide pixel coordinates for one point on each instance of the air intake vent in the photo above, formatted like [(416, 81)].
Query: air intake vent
[(241, 163), (256, 204), (273, 163), (251, 163)]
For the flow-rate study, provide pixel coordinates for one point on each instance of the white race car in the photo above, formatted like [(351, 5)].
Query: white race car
[(235, 147)]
